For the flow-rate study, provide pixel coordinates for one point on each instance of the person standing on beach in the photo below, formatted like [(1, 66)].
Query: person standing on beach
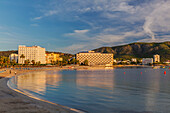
[(15, 73), (10, 71)]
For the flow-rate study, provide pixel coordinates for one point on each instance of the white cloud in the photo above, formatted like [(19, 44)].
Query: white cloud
[(114, 22), (74, 48), (78, 34), (81, 31), (158, 19), (79, 6), (46, 14), (101, 39), (37, 18), (111, 39), (163, 39), (9, 34)]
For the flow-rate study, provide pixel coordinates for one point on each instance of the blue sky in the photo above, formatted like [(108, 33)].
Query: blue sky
[(79, 25)]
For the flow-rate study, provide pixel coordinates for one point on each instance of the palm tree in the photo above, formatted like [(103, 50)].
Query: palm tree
[(39, 63), (27, 62), (22, 56), (33, 62)]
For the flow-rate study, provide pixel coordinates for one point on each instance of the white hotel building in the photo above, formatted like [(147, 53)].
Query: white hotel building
[(95, 58), (35, 53)]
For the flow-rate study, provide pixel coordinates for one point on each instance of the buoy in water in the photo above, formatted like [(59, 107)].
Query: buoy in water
[(165, 72), (141, 73), (124, 73)]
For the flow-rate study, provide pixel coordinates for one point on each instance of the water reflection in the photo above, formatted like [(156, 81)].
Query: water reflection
[(53, 78), (100, 79), (37, 81), (153, 90), (33, 81), (99, 91)]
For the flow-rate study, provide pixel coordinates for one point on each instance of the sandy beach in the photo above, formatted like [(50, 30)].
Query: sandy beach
[(14, 102)]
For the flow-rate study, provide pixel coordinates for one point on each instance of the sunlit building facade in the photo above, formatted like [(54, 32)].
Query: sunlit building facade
[(35, 53), (13, 56), (53, 57), (95, 58), (156, 58)]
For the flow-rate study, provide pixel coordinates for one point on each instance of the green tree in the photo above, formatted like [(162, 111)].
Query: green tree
[(73, 61), (22, 57), (77, 62), (13, 62), (86, 62), (38, 63), (139, 60), (4, 61), (57, 63), (26, 62), (1, 61), (7, 60), (114, 63), (33, 62)]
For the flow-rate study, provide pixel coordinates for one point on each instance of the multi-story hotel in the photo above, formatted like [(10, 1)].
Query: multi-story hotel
[(95, 58), (13, 56), (35, 53), (52, 57), (156, 58)]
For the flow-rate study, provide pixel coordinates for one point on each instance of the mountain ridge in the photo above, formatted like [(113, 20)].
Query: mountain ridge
[(139, 50)]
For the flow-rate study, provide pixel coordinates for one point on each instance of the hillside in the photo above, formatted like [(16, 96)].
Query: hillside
[(139, 50), (7, 53)]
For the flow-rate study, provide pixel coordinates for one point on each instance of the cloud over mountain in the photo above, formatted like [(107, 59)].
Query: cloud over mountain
[(97, 22)]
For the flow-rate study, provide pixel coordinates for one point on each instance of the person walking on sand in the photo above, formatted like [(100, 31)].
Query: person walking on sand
[(15, 73), (10, 71)]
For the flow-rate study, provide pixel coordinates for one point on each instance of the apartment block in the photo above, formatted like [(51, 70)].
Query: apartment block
[(156, 58), (35, 53), (95, 58), (52, 57)]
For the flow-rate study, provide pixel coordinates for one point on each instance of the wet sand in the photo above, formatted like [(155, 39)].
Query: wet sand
[(14, 102)]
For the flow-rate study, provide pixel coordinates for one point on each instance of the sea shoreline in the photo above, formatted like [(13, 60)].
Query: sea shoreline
[(10, 99), (14, 101)]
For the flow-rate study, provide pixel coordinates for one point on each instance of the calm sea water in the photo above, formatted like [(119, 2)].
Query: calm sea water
[(102, 91)]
